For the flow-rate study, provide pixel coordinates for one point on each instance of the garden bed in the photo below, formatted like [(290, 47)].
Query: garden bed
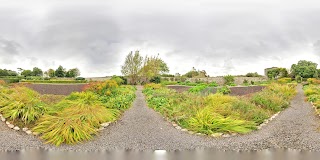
[(218, 114), (64, 119), (235, 91), (56, 89)]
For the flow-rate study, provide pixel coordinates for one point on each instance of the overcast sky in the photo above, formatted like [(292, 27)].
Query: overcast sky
[(221, 37)]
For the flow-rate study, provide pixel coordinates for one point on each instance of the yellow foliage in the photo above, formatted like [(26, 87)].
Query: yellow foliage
[(153, 86)]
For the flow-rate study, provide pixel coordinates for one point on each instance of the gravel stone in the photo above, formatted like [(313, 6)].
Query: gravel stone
[(11, 126), (16, 128)]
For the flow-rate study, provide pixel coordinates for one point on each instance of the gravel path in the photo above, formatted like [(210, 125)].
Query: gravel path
[(141, 128)]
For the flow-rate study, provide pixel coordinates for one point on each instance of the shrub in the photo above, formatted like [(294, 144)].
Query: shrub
[(80, 79), (228, 79), (155, 79), (245, 82), (197, 89), (213, 84), (270, 101), (224, 90), (313, 81), (102, 88), (22, 104), (2, 83), (284, 80), (119, 80)]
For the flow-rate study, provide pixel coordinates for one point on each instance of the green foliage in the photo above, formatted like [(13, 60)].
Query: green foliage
[(198, 88), (284, 80), (155, 79), (213, 84), (60, 72), (215, 112), (37, 71), (245, 82), (118, 79), (132, 66), (255, 74), (228, 80), (224, 90), (274, 73), (26, 73), (305, 69), (5, 72), (74, 72), (21, 103), (275, 97), (80, 79)]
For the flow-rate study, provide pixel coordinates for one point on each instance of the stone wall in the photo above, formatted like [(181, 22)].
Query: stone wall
[(220, 80)]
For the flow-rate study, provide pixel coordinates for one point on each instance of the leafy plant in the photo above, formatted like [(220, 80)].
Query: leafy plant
[(23, 104), (228, 80), (224, 90)]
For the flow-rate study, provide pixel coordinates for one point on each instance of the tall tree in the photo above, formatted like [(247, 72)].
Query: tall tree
[(73, 72), (60, 72), (153, 66), (26, 73), (305, 69), (51, 73), (132, 66), (37, 72)]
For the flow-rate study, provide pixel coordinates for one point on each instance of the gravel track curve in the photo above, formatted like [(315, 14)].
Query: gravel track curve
[(141, 128)]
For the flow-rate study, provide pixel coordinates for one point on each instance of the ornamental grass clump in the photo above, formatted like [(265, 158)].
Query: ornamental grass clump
[(207, 122), (76, 122), (21, 104)]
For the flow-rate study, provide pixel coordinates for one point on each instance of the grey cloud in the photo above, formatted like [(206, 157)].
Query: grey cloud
[(208, 34), (8, 49)]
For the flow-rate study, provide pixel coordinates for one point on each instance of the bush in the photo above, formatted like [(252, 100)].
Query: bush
[(270, 101), (153, 86), (228, 80), (155, 79), (245, 82), (284, 80), (2, 83), (10, 80), (213, 84), (313, 81), (197, 89), (224, 90), (79, 79)]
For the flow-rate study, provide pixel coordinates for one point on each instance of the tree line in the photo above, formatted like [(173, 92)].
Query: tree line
[(303, 69), (59, 72)]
